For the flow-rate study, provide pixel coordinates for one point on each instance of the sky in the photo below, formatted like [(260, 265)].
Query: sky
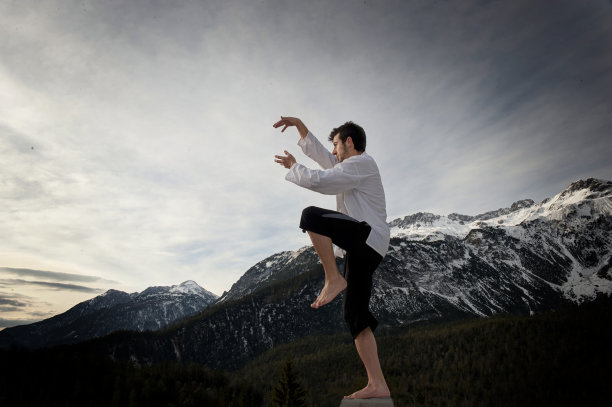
[(136, 138)]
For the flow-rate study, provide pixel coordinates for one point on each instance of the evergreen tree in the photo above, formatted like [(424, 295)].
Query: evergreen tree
[(288, 391)]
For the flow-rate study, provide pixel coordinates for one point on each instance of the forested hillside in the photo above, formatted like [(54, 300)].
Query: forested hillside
[(560, 358)]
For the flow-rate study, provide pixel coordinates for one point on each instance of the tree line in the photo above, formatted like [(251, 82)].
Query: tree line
[(560, 358)]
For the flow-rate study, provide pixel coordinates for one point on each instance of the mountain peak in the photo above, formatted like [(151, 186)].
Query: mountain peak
[(582, 199), (191, 287), (108, 299), (524, 203), (415, 219), (110, 292), (590, 193), (591, 184), (151, 309)]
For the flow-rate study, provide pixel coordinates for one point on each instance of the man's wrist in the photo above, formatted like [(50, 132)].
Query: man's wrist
[(302, 129)]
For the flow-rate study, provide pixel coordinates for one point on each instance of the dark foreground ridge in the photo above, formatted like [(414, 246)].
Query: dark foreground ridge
[(559, 358)]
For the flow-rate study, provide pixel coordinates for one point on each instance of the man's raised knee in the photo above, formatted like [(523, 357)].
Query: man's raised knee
[(308, 218), (310, 211)]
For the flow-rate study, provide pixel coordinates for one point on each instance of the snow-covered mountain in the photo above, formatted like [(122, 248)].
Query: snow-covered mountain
[(274, 269), (521, 259), (517, 258), (152, 309), (527, 258)]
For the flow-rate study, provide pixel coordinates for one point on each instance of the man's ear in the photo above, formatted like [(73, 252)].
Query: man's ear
[(349, 140)]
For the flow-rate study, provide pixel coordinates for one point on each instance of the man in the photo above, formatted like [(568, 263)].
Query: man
[(358, 227)]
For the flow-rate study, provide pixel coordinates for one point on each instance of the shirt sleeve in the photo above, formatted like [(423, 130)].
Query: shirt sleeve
[(331, 181), (313, 148)]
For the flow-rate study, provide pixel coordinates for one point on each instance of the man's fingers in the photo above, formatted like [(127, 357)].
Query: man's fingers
[(286, 160), (284, 121), (280, 122)]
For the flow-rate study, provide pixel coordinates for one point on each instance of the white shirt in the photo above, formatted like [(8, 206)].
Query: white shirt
[(356, 183)]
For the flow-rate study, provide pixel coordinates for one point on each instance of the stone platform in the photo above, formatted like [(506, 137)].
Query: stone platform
[(382, 402)]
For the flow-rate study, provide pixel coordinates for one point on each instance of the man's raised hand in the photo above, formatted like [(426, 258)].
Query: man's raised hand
[(286, 160), (289, 122)]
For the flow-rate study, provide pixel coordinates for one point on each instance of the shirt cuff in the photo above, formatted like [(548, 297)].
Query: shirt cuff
[(290, 174), (306, 140)]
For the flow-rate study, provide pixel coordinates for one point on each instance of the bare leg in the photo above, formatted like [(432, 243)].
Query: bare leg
[(334, 282), (377, 386)]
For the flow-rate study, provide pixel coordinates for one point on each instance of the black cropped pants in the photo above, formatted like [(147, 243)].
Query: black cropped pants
[(359, 264)]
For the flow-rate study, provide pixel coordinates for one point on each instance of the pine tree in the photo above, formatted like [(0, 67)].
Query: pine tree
[(288, 391)]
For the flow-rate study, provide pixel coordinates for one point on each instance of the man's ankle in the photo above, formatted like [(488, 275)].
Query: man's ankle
[(334, 279)]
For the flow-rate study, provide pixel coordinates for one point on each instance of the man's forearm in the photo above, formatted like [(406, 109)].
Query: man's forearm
[(313, 148), (301, 128), (328, 182), (287, 121)]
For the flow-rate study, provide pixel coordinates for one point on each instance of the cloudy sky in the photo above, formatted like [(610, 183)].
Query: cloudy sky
[(136, 139)]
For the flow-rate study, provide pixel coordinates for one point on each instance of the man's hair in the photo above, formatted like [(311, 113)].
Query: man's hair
[(352, 130)]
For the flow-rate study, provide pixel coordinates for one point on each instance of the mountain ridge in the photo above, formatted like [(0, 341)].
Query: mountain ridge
[(536, 257), (540, 257), (153, 308), (427, 227)]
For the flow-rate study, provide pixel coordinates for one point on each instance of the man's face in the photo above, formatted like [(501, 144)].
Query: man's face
[(339, 148)]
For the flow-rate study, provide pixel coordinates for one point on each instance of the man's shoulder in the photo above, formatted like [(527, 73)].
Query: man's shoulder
[(362, 158), (363, 164)]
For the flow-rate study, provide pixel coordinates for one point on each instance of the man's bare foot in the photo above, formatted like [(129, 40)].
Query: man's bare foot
[(330, 290), (371, 392)]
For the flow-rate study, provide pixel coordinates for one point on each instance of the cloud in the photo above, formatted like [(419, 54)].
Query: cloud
[(511, 104), (11, 302), (15, 299), (151, 125), (18, 309), (53, 275), (52, 286)]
